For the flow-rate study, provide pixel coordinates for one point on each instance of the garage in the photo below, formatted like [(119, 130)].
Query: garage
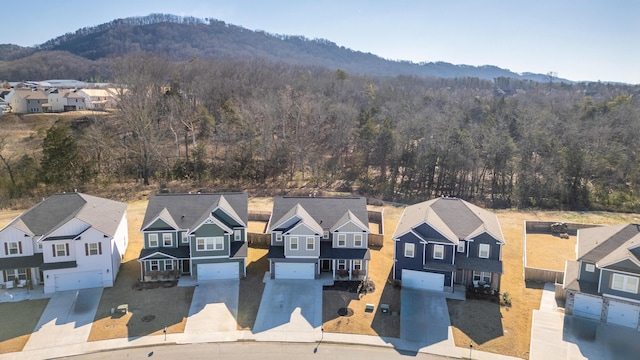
[(80, 280), (587, 306), (422, 280), (624, 314), (295, 270), (228, 270)]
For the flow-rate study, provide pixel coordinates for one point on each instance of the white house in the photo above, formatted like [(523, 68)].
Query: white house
[(68, 241), (64, 100), (96, 99), (25, 101)]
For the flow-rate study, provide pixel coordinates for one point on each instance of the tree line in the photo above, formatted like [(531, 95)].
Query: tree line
[(254, 124)]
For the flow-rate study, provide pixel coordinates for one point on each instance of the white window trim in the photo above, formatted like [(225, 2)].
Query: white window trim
[(237, 235), (343, 264), (482, 276), (437, 247), (156, 263), (357, 238), (165, 237), (625, 283), (278, 236), (291, 241), (17, 247), (213, 243), (218, 243), (312, 243), (461, 246), (357, 264), (185, 238), (64, 250), (325, 234), (153, 238), (589, 268), (342, 237), (409, 250), (93, 247), (480, 250)]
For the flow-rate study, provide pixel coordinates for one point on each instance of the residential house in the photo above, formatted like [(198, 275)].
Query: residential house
[(96, 99), (201, 235), (311, 236), (604, 281), (27, 101), (64, 100), (68, 241), (447, 241)]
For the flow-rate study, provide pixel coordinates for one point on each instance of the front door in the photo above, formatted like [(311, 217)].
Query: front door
[(186, 267), (326, 265)]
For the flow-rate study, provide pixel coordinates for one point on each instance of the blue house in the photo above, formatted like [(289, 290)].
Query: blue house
[(447, 241)]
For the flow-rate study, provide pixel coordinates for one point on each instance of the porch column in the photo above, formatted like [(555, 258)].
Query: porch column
[(350, 267), (333, 267), (142, 271), (366, 265)]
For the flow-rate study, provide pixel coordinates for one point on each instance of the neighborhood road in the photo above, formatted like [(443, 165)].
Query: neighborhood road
[(252, 351), (66, 320)]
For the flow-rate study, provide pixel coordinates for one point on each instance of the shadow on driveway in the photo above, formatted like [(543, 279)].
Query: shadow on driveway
[(214, 306), (598, 340)]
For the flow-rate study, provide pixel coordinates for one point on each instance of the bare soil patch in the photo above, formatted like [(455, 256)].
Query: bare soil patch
[(547, 251)]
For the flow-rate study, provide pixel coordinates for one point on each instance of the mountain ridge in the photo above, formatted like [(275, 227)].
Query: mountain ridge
[(182, 38)]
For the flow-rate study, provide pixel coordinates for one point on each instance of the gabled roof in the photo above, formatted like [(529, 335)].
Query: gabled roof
[(349, 216), (454, 218), (189, 210), (609, 244), (325, 211), (302, 216), (31, 94), (102, 214)]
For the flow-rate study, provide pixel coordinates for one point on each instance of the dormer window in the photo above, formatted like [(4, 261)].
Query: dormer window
[(357, 240), (325, 235)]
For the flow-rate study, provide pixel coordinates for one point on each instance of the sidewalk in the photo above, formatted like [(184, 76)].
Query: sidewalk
[(245, 335)]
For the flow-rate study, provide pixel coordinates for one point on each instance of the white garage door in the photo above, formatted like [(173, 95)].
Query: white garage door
[(623, 314), (80, 280), (587, 306), (230, 270), (295, 270), (422, 280)]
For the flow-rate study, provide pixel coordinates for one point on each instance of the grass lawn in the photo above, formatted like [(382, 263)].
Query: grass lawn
[(18, 321), (546, 251)]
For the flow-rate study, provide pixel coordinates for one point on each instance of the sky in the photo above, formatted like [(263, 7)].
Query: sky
[(580, 40)]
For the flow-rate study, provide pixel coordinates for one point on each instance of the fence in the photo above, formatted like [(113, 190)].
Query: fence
[(543, 275), (255, 215), (376, 217), (258, 239)]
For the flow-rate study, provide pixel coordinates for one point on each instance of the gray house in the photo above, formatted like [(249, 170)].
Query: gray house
[(311, 236), (201, 235), (604, 281), (447, 241)]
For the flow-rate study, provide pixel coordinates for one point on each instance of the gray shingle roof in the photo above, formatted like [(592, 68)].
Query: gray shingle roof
[(190, 210), (102, 214), (326, 211), (452, 217), (608, 244)]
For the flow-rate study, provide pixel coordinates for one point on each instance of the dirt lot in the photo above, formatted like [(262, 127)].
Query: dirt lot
[(539, 256), (151, 309)]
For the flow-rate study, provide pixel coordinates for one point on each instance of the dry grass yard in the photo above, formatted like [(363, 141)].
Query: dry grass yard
[(546, 251)]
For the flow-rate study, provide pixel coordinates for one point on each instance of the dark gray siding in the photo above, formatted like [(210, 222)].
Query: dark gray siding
[(403, 262), (605, 287), (589, 276), (474, 246)]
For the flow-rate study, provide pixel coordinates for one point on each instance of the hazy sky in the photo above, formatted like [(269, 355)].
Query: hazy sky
[(577, 39)]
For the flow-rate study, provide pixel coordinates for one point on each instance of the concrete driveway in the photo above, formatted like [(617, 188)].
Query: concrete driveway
[(66, 320), (290, 310), (555, 335), (424, 318), (214, 307)]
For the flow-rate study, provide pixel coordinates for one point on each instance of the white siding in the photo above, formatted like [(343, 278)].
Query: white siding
[(11, 234), (72, 227)]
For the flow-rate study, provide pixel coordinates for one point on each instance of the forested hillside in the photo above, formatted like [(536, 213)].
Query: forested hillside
[(215, 123), (81, 55)]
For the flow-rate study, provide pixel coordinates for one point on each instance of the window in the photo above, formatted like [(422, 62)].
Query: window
[(342, 240), (438, 251), (409, 250), (342, 264), (357, 264), (14, 248), (278, 237), (357, 240), (293, 243), (461, 246), (168, 264), (154, 265), (325, 235), (93, 249), (484, 251), (625, 283), (482, 276), (311, 244), (590, 268), (185, 238), (237, 235), (153, 240), (60, 250), (210, 243), (167, 239)]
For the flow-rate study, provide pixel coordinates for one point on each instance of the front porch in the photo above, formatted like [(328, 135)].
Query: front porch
[(163, 270), (15, 294), (344, 269)]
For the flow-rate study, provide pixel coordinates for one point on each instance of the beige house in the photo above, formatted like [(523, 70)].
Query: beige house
[(27, 101)]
